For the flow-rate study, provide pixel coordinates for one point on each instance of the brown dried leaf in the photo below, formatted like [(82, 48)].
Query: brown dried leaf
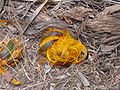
[(41, 0), (77, 13), (117, 78), (83, 79), (109, 10), (106, 22), (8, 76), (34, 15), (111, 40), (2, 2)]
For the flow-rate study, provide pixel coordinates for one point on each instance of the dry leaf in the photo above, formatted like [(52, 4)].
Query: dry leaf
[(4, 22), (15, 82), (42, 0), (83, 79), (2, 2), (8, 76), (106, 21), (110, 9), (2, 70), (34, 15), (77, 13), (117, 78)]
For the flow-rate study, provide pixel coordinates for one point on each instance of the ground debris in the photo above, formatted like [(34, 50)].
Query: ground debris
[(107, 21), (98, 23)]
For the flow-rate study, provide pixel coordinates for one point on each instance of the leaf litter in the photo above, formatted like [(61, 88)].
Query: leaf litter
[(99, 21)]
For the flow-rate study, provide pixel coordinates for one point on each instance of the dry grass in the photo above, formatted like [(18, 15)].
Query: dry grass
[(101, 70)]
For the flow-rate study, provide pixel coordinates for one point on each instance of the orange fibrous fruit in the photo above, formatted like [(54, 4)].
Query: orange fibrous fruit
[(62, 50), (10, 53)]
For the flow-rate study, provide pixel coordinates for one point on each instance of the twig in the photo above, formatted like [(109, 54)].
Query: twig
[(83, 79), (34, 15), (30, 86)]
